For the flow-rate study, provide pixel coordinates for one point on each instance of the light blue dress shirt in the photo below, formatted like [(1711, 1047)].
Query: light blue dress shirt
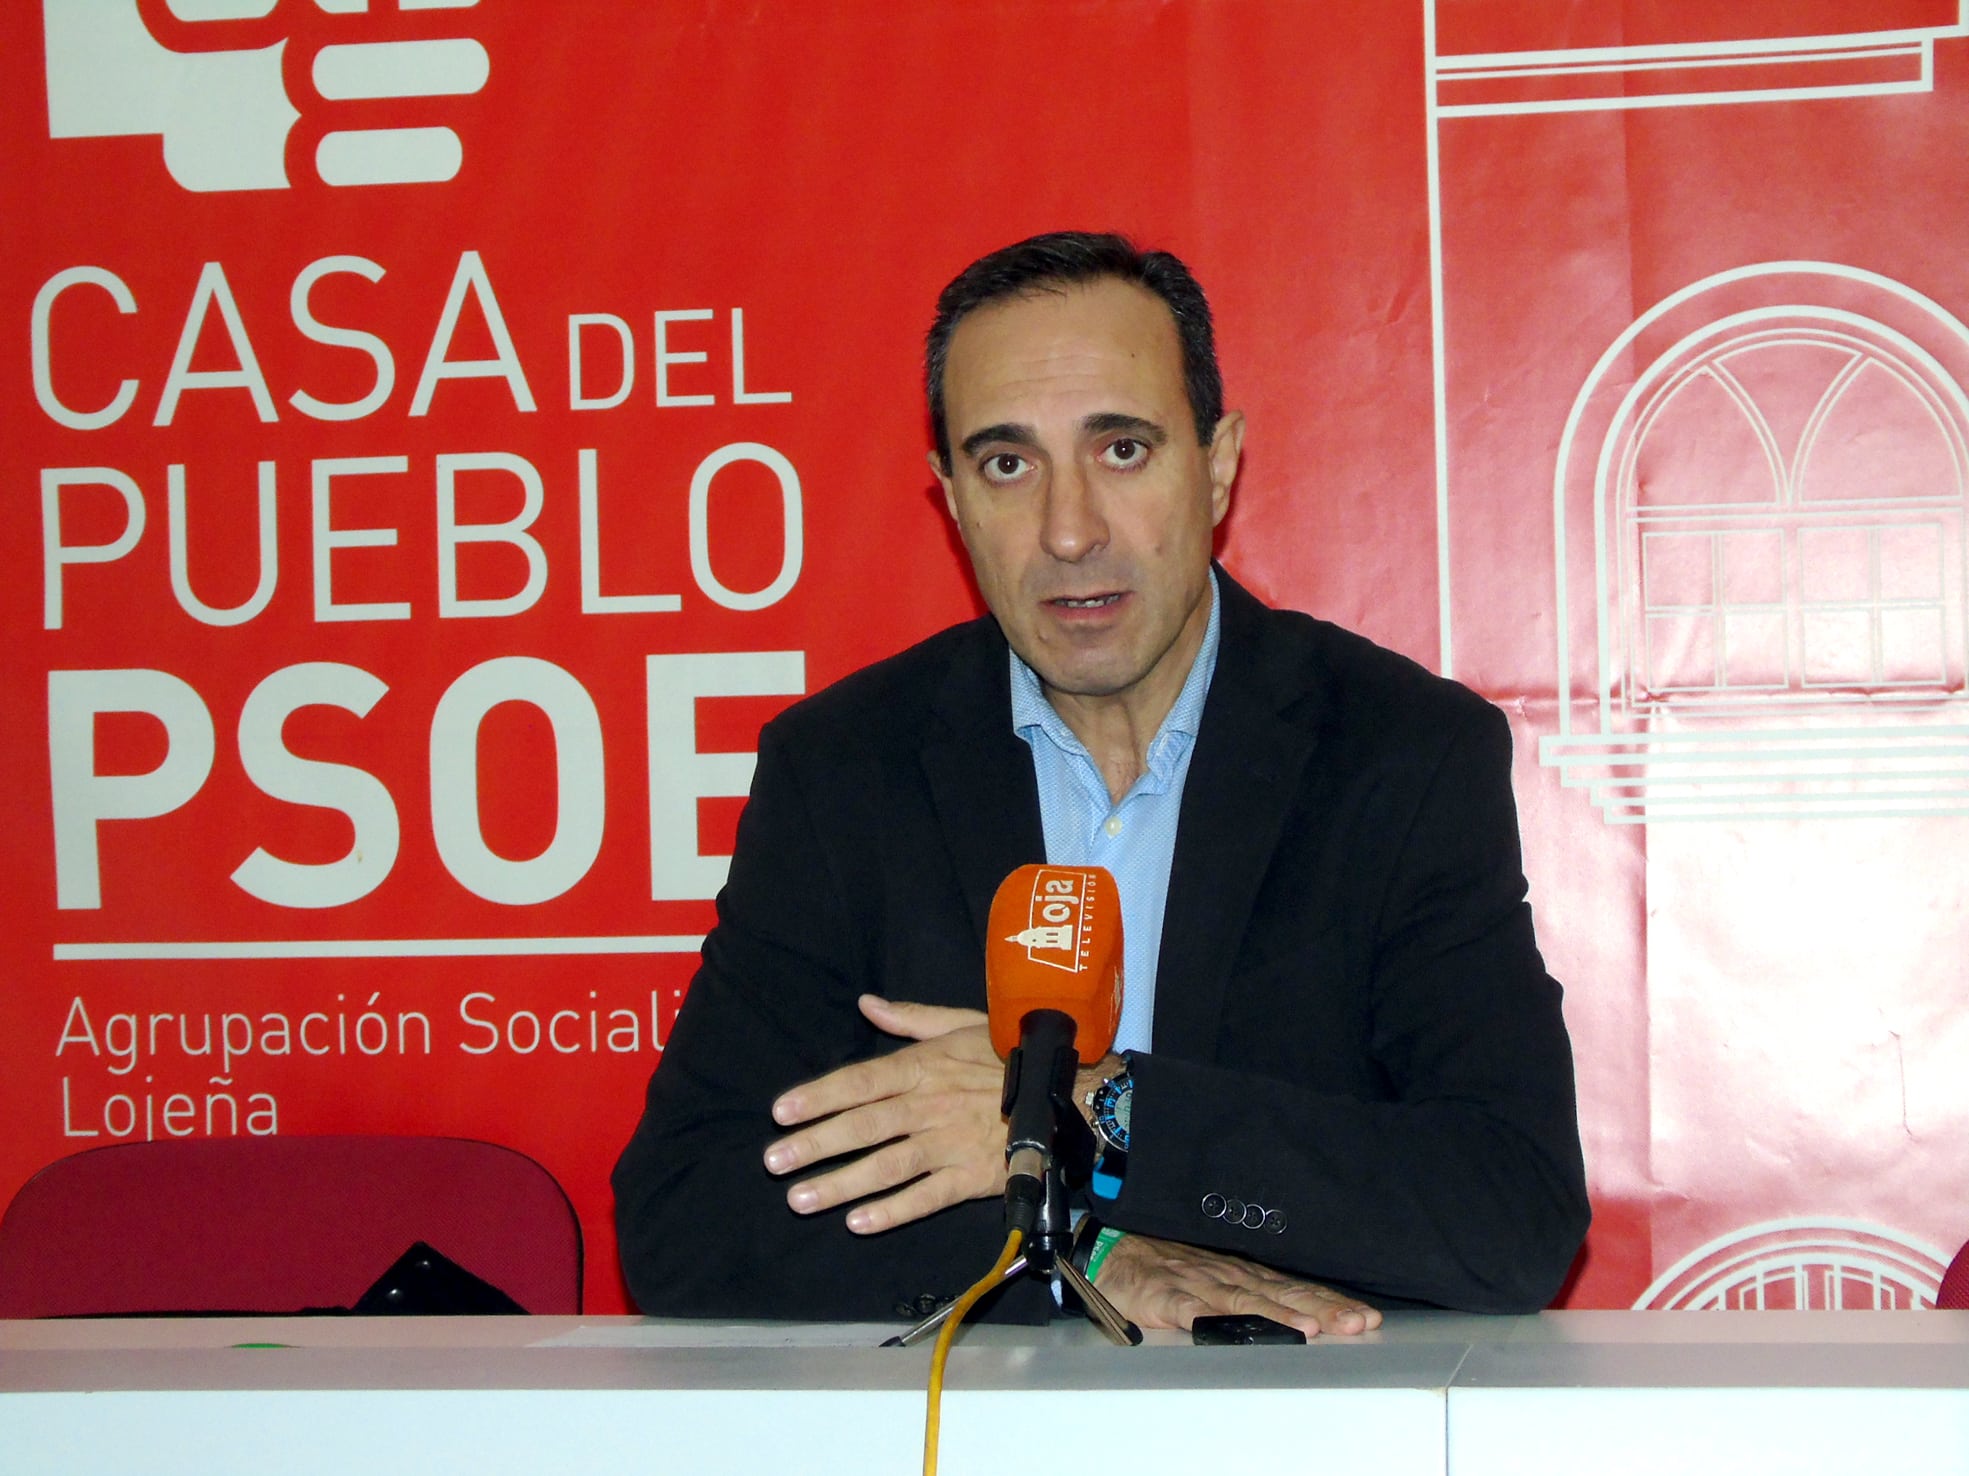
[(1136, 839)]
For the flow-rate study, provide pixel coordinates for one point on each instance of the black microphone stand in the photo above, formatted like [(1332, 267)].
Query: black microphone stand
[(1048, 1248)]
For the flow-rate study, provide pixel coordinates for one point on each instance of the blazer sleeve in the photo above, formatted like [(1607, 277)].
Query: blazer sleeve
[(704, 1230), (1449, 1172)]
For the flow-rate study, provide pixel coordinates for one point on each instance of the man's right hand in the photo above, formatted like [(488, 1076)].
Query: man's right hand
[(922, 1123), (1164, 1284)]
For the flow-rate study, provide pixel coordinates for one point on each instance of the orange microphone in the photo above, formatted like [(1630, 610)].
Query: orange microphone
[(1053, 983)]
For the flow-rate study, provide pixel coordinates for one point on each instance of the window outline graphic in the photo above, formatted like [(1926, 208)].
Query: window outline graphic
[(1794, 67), (1884, 751), (1798, 520)]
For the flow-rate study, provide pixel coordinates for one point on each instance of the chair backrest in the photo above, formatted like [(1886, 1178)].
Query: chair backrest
[(279, 1224), (1954, 1293)]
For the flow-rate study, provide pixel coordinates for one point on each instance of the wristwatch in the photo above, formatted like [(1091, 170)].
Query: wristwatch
[(1110, 1104)]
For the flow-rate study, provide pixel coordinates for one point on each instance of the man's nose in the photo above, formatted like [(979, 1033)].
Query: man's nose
[(1071, 525)]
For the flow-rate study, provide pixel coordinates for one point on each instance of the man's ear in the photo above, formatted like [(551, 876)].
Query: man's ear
[(944, 481), (1226, 450)]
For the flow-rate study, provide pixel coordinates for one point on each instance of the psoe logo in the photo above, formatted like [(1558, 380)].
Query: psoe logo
[(1053, 934), (224, 116)]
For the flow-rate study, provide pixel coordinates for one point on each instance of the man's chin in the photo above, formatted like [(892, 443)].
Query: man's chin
[(1085, 682)]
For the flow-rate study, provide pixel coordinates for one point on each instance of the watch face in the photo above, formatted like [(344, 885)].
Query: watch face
[(1112, 1101)]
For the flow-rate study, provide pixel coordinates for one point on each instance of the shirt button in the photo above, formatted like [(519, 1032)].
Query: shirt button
[(1113, 826)]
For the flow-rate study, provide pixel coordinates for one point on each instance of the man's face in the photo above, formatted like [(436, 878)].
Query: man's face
[(1079, 488)]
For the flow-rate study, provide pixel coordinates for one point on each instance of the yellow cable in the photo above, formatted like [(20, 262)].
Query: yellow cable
[(949, 1330)]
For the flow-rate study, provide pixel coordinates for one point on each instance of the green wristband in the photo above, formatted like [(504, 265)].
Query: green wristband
[(1103, 1243)]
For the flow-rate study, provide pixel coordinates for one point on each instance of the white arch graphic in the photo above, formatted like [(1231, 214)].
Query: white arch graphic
[(1905, 756), (1842, 1251), (1590, 389)]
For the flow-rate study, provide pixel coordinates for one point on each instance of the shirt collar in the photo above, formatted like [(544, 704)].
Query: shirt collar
[(1032, 714)]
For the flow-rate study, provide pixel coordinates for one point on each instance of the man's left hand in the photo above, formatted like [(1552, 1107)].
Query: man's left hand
[(925, 1118), (1164, 1284)]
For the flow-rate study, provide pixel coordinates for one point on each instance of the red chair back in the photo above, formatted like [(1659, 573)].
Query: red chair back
[(1954, 1293), (279, 1224)]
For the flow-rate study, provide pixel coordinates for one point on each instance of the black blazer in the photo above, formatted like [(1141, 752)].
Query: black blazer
[(1353, 1026)]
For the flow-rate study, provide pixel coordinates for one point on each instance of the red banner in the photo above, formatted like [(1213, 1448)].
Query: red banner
[(438, 434)]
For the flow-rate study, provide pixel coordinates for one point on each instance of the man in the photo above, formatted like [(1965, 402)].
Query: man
[(1350, 1079)]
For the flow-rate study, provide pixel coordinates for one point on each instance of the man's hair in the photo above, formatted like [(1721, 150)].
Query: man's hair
[(1062, 259)]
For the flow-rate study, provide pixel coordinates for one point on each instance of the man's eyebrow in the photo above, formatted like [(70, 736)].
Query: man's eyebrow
[(1101, 423), (1006, 432), (1108, 421)]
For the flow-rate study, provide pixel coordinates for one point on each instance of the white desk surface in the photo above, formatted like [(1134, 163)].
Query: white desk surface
[(1430, 1392)]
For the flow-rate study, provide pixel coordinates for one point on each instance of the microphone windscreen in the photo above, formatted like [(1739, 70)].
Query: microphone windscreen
[(1054, 943)]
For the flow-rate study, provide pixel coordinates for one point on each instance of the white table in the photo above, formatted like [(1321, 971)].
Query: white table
[(1799, 1393), (1431, 1392)]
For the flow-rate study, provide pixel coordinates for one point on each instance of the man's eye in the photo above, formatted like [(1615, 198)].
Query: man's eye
[(1127, 451), (1004, 467)]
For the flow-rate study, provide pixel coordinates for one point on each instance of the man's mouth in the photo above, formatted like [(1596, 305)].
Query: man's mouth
[(1084, 602)]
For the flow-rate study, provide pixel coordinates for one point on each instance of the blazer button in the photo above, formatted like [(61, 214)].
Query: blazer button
[(1275, 1222), (1213, 1206), (1234, 1211), (1253, 1216)]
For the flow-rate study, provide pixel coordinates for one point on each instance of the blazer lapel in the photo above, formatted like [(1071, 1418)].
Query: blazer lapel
[(981, 780), (1243, 778)]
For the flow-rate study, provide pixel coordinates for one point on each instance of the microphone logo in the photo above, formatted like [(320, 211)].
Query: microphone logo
[(1055, 933), (1056, 940)]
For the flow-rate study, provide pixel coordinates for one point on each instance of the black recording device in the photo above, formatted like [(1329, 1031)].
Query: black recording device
[(1241, 1329)]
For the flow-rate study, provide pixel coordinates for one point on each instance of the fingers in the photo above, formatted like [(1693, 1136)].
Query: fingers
[(885, 1168), (1329, 1311), (1306, 1305), (924, 1197), (1162, 1284), (933, 1169), (908, 1136), (960, 1035), (916, 1021), (845, 1132), (923, 1121), (851, 1086)]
